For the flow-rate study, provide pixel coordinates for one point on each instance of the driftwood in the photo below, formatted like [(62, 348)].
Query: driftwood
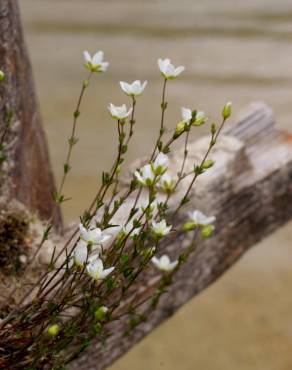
[(250, 192), (27, 176), (249, 189)]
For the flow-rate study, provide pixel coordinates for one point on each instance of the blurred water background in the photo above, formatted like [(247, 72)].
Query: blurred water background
[(233, 50)]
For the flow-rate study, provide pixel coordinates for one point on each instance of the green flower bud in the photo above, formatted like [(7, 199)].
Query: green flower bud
[(180, 127), (149, 252), (85, 84), (100, 313), (227, 110), (118, 170), (199, 119), (208, 163), (206, 231), (189, 226), (53, 330), (2, 76)]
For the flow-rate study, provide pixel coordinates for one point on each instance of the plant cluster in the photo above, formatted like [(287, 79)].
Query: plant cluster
[(80, 294)]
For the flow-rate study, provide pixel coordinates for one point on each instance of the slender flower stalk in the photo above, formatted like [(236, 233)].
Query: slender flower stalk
[(163, 106), (59, 197), (199, 169), (132, 120)]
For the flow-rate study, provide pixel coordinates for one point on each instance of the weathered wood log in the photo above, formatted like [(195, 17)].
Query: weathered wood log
[(249, 191), (27, 175)]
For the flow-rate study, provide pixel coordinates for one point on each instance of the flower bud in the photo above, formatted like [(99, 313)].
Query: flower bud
[(189, 226), (208, 164), (199, 119), (180, 127), (100, 313), (2, 76), (207, 231), (227, 110), (85, 83), (149, 252), (53, 330)]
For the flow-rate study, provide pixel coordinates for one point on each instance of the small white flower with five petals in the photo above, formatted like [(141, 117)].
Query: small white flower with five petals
[(166, 183), (168, 70), (186, 114), (198, 218), (129, 228), (163, 263), (160, 163), (160, 229), (119, 113), (95, 63), (96, 270), (134, 89), (80, 253), (152, 207), (93, 236), (145, 175)]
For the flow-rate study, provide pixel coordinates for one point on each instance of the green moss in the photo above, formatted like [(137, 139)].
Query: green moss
[(13, 232)]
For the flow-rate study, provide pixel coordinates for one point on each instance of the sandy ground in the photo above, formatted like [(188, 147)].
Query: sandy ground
[(238, 50)]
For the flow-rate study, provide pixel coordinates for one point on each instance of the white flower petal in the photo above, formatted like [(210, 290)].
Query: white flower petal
[(163, 263), (186, 114), (97, 58), (106, 272), (87, 56)]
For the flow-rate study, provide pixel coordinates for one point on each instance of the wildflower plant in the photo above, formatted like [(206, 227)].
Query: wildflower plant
[(94, 273)]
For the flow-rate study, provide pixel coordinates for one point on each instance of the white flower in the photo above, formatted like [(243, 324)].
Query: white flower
[(134, 89), (166, 183), (168, 70), (186, 114), (119, 113), (145, 175), (199, 119), (160, 163), (152, 207), (95, 63), (93, 236), (160, 228), (129, 227), (163, 263), (96, 270), (80, 253), (200, 219)]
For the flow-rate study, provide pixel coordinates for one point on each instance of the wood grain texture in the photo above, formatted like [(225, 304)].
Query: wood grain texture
[(250, 192), (27, 175)]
